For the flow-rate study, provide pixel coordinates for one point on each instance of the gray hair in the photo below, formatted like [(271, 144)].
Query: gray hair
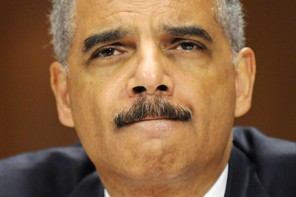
[(229, 15), (62, 20)]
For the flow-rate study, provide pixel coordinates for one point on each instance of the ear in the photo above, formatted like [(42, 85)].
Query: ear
[(59, 85), (244, 80)]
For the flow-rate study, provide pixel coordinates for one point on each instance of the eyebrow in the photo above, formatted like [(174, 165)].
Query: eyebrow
[(103, 37), (188, 31), (118, 33)]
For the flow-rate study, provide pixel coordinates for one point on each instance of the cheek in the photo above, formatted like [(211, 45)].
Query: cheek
[(95, 92), (91, 118), (219, 98), (208, 87), (95, 98), (211, 95)]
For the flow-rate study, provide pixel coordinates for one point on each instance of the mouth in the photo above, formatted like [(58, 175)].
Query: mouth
[(149, 110), (151, 118), (155, 118)]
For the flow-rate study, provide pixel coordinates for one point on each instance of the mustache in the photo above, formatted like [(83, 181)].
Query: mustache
[(153, 107)]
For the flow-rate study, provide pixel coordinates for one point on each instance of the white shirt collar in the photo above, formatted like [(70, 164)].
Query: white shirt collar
[(217, 190), (106, 194)]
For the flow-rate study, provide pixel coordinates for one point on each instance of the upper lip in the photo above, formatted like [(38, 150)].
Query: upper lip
[(154, 118), (150, 118)]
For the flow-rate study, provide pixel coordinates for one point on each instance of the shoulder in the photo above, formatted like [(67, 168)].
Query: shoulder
[(259, 146), (274, 159), (51, 172)]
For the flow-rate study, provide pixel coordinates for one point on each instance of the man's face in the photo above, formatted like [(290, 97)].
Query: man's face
[(126, 51)]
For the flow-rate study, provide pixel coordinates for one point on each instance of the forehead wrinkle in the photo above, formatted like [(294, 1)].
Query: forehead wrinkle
[(135, 6), (113, 8)]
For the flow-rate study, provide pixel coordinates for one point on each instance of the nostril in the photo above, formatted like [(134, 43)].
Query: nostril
[(162, 88), (139, 89)]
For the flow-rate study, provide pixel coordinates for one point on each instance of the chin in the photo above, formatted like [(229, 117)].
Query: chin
[(155, 174), (156, 166)]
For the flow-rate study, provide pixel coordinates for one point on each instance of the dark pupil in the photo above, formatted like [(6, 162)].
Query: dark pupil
[(187, 46), (107, 52)]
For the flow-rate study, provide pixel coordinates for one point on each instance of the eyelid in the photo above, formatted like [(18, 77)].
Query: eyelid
[(199, 44), (116, 46)]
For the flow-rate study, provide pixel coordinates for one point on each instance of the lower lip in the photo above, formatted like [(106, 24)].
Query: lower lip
[(154, 128)]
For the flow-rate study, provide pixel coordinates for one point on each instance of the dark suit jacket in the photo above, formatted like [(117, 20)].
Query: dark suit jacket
[(259, 166)]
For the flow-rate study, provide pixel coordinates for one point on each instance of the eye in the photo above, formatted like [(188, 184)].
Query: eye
[(190, 46), (106, 52)]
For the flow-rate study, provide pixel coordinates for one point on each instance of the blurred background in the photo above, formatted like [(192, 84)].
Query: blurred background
[(28, 117)]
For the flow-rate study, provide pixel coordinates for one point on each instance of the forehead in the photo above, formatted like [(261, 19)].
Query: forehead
[(91, 14)]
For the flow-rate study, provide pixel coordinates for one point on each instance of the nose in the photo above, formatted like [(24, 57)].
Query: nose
[(152, 74)]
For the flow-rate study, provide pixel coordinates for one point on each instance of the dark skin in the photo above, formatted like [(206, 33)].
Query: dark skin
[(171, 49)]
